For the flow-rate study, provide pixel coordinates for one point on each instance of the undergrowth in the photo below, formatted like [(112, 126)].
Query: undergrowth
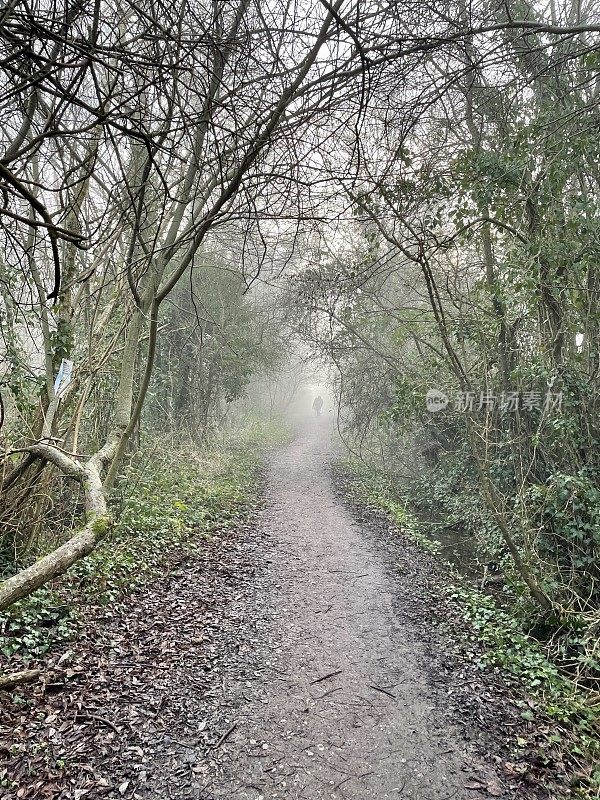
[(164, 506), (503, 643)]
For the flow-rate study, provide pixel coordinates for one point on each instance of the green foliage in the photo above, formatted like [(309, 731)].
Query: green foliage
[(508, 648), (506, 644), (512, 329), (373, 488), (451, 491), (30, 626), (567, 508)]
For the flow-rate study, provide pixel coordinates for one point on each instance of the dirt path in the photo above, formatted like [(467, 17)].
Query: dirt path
[(351, 714), (291, 659)]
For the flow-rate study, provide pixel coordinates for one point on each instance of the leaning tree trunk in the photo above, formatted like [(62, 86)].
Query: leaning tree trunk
[(97, 523)]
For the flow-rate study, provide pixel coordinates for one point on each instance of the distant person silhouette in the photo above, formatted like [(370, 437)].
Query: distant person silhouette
[(318, 405)]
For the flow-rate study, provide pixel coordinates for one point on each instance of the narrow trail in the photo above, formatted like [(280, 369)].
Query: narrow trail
[(294, 657), (351, 713)]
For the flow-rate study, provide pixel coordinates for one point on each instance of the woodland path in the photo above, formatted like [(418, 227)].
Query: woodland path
[(294, 658), (351, 712)]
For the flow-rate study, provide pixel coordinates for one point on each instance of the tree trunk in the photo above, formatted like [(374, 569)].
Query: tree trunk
[(83, 542)]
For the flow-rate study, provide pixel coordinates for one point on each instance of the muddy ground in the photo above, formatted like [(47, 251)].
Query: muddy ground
[(308, 654)]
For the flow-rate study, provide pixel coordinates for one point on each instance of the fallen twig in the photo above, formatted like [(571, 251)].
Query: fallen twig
[(324, 677), (85, 715), (224, 736), (349, 778), (383, 691), (326, 611)]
